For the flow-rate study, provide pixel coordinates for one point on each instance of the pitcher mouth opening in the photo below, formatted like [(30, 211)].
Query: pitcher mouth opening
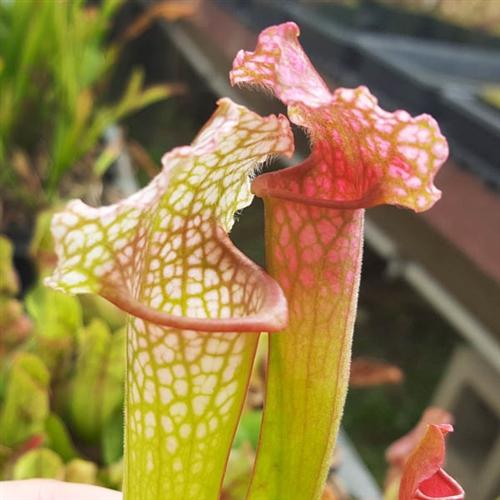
[(449, 488), (268, 315), (274, 185), (369, 200)]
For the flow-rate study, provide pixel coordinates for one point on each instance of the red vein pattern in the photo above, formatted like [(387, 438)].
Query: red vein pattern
[(163, 256), (361, 153), (362, 156), (314, 253)]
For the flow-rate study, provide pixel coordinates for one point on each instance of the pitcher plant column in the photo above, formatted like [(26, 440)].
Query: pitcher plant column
[(361, 156), (196, 305)]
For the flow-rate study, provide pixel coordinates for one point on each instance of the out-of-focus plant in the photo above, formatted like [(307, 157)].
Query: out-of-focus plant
[(9, 284), (398, 453), (367, 372), (55, 62), (61, 383), (362, 156), (14, 324), (422, 476), (26, 400), (96, 388), (197, 305)]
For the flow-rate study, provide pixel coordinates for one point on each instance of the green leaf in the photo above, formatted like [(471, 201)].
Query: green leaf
[(112, 476), (42, 243), (39, 463), (107, 157), (8, 278), (55, 63), (14, 325), (112, 439), (249, 429), (95, 306), (57, 319), (81, 471), (56, 315), (96, 390), (58, 438), (26, 404)]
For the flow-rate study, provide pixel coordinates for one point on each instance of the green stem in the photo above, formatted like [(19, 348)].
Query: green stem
[(184, 394), (315, 255)]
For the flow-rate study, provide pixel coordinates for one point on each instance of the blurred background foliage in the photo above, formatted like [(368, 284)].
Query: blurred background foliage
[(62, 368), (56, 62)]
